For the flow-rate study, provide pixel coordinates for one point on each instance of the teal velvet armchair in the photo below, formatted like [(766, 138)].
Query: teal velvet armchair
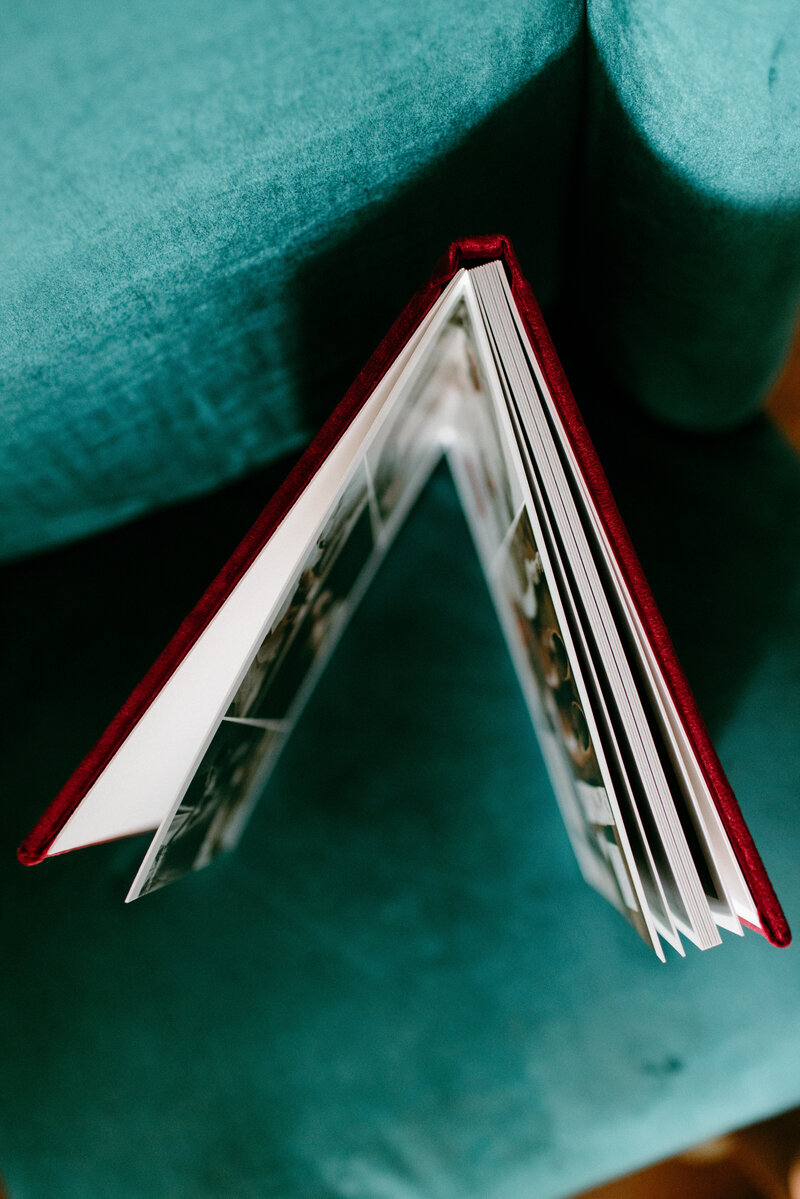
[(212, 212), (399, 985)]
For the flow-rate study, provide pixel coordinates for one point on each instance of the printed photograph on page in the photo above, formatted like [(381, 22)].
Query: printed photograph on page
[(318, 625), (411, 436), (484, 463), (212, 805), (579, 782), (299, 630)]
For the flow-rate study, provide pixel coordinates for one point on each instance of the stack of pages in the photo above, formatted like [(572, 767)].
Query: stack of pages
[(468, 372)]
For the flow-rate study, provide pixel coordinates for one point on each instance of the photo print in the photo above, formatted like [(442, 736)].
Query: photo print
[(319, 626), (340, 522), (269, 654), (546, 655), (314, 613), (411, 439), (580, 786), (494, 489), (210, 815)]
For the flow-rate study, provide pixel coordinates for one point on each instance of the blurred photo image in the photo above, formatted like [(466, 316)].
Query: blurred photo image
[(212, 805)]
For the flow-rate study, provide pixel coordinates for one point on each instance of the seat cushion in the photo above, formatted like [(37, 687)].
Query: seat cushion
[(212, 212), (399, 984), (693, 200)]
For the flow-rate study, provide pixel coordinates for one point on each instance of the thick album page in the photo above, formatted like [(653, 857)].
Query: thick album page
[(140, 785), (727, 892), (491, 476), (690, 876), (673, 888), (386, 471)]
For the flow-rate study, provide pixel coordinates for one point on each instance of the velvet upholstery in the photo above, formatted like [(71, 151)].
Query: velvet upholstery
[(692, 200), (175, 179), (211, 214), (400, 985)]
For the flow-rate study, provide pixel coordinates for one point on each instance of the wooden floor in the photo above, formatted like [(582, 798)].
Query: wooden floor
[(759, 1162), (784, 402)]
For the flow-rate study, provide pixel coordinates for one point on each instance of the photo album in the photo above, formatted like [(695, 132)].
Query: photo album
[(467, 372)]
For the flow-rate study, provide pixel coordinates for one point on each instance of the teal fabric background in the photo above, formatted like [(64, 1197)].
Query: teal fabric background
[(210, 214), (692, 200), (399, 985), (176, 180)]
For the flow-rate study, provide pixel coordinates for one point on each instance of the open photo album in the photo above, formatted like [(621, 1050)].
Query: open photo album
[(467, 373)]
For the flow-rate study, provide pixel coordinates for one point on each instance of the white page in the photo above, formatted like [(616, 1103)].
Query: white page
[(140, 784), (226, 780), (661, 916), (563, 783), (490, 281), (719, 852)]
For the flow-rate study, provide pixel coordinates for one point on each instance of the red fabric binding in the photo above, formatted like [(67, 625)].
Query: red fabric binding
[(466, 252)]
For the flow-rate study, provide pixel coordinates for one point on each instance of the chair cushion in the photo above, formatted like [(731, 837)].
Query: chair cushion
[(399, 984), (693, 200), (212, 213), (181, 299)]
